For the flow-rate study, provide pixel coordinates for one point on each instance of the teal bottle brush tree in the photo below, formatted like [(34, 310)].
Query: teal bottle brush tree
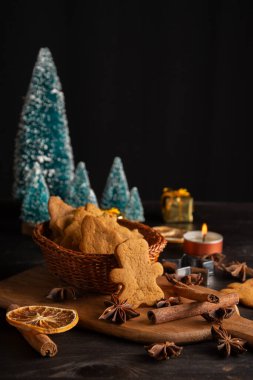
[(43, 134), (80, 190), (116, 194), (134, 209), (116, 191), (35, 202)]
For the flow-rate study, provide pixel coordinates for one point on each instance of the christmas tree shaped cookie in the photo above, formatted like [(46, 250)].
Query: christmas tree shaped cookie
[(43, 134), (137, 274), (35, 203), (80, 191), (116, 192), (134, 209)]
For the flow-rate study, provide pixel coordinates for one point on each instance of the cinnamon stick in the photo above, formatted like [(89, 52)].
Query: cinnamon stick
[(40, 342), (190, 292), (191, 309)]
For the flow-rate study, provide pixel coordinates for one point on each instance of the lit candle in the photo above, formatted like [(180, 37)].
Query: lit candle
[(202, 243), (204, 231)]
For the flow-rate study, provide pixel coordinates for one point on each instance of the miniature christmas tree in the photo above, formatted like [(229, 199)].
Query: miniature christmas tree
[(134, 209), (43, 134), (116, 192), (80, 191), (35, 202)]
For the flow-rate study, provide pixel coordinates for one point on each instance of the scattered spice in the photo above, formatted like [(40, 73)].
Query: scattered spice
[(165, 302), (63, 293), (118, 311), (238, 269), (163, 351), (190, 291), (190, 279), (191, 309), (225, 343), (217, 316)]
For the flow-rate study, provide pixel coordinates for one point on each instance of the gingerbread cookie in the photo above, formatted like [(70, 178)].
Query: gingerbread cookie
[(93, 209), (61, 215), (87, 228), (72, 233), (245, 291), (65, 221), (102, 234), (137, 274)]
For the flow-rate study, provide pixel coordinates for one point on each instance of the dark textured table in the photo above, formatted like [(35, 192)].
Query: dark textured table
[(86, 354)]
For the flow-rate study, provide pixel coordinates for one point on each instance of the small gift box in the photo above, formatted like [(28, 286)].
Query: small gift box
[(177, 205)]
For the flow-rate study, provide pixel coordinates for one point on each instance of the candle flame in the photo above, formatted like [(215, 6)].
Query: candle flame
[(204, 230)]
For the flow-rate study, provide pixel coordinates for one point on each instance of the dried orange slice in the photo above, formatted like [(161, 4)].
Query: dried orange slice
[(43, 319)]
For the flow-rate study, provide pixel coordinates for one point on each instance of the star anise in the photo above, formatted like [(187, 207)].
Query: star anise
[(238, 269), (165, 302), (226, 344), (218, 260), (218, 315), (163, 351), (192, 279), (118, 311), (63, 293)]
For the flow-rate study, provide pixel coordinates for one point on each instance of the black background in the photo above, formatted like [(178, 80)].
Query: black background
[(167, 86)]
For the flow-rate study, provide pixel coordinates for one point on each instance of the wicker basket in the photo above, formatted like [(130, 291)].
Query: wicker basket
[(89, 271)]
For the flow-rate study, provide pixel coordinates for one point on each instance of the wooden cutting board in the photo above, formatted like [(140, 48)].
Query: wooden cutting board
[(31, 286)]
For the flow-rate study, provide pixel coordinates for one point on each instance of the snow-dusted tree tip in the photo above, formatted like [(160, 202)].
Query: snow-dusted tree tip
[(92, 197)]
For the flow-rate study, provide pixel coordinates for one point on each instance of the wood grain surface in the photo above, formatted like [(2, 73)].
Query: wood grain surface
[(31, 287)]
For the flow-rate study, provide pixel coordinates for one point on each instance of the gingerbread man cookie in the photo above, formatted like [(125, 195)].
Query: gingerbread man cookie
[(245, 291), (137, 274)]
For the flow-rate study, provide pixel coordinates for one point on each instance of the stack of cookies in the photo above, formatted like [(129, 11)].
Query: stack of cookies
[(91, 231), (87, 229)]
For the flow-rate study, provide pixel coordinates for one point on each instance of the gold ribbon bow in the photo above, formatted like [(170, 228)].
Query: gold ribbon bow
[(167, 192)]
